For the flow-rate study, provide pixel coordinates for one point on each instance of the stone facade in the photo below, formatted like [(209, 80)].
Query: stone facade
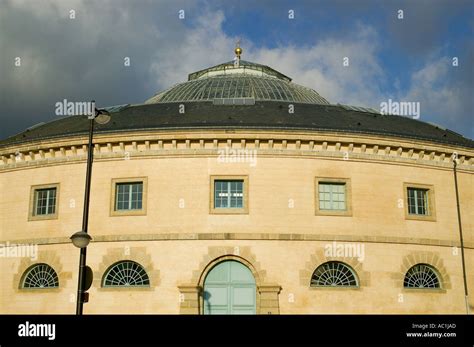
[(281, 238)]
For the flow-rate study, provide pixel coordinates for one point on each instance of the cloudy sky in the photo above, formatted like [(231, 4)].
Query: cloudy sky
[(82, 58)]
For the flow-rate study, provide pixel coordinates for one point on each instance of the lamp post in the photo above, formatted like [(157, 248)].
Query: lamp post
[(81, 239)]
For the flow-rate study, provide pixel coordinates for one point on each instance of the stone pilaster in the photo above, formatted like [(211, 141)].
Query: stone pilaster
[(269, 301), (189, 299)]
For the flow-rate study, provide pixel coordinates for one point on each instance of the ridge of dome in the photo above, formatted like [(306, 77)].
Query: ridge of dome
[(243, 67)]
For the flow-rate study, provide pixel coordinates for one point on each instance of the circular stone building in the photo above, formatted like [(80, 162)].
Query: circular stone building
[(239, 191)]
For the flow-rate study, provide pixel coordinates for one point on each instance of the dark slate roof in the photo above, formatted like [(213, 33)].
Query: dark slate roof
[(262, 115)]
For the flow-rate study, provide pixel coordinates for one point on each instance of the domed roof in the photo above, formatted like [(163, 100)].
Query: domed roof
[(255, 96), (245, 80)]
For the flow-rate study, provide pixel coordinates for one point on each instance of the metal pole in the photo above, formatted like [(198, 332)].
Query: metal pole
[(460, 235), (85, 218)]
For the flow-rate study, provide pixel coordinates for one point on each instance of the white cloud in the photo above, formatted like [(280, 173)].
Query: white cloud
[(200, 46), (318, 66), (440, 101), (84, 57), (48, 9)]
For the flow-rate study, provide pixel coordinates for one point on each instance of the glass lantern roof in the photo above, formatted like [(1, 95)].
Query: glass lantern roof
[(244, 80)]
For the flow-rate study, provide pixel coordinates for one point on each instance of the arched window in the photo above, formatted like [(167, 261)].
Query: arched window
[(126, 274), (421, 276), (40, 276), (334, 274)]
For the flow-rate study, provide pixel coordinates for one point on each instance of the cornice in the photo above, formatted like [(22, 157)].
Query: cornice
[(267, 143)]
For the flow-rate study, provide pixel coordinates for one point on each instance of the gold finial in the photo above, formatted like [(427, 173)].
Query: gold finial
[(238, 50)]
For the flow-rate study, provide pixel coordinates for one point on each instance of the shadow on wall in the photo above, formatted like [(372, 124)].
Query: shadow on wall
[(206, 297)]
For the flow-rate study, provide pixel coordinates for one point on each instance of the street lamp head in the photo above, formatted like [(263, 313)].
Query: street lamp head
[(81, 239), (102, 116)]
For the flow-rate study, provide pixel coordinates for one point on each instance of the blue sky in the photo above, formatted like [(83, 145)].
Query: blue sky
[(404, 60)]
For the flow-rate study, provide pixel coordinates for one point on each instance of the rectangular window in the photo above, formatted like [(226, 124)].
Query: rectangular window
[(229, 195), (45, 202), (129, 196), (418, 201), (332, 196)]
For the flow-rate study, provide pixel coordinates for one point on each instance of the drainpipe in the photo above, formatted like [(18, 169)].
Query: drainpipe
[(460, 232)]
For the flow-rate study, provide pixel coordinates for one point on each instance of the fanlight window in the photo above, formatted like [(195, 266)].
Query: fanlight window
[(421, 276), (40, 276), (334, 274), (126, 274)]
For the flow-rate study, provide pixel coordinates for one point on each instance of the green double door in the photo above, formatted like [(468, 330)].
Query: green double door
[(229, 288)]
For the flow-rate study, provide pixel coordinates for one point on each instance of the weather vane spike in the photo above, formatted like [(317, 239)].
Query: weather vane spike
[(238, 52)]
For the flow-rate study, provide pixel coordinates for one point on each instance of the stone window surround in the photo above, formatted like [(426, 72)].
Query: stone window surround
[(118, 254), (244, 209), (47, 257), (142, 211), (318, 258), (432, 259), (348, 196), (431, 202), (32, 203)]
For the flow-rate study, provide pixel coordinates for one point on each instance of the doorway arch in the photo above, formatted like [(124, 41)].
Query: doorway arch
[(230, 288)]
